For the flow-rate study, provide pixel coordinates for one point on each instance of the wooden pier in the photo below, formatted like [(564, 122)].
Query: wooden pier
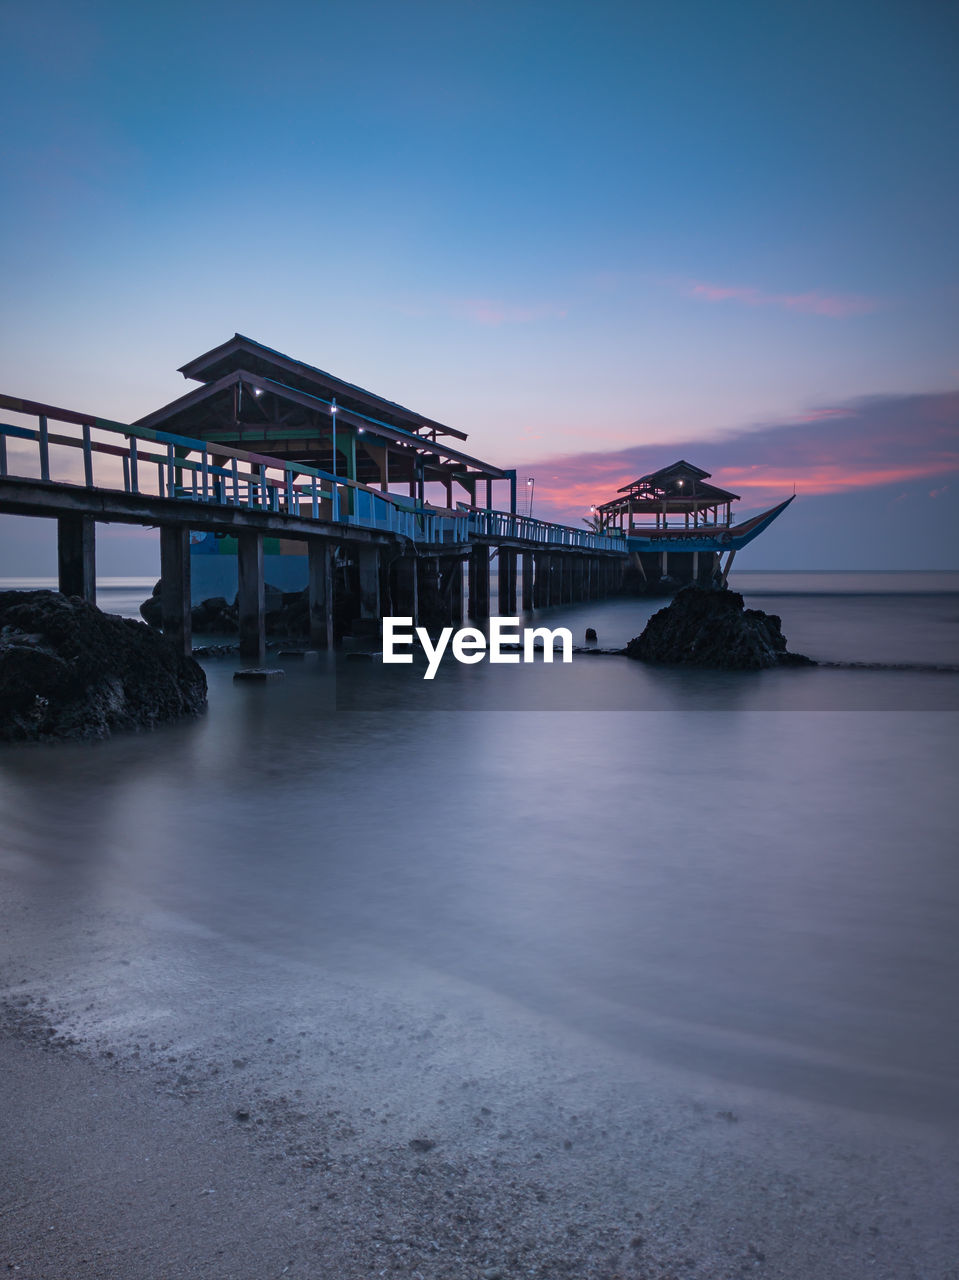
[(407, 554)]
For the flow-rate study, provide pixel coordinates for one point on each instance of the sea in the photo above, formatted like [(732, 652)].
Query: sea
[(752, 878)]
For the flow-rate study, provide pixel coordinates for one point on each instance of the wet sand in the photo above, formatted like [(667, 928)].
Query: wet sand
[(370, 1135)]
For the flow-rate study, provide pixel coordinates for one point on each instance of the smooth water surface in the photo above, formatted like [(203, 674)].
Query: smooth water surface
[(753, 877)]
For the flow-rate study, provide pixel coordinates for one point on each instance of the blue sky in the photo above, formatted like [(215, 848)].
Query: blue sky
[(569, 229)]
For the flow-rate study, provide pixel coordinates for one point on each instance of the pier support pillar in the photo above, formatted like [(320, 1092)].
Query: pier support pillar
[(479, 583), (507, 582), (433, 605), (251, 597), (76, 557), (320, 593), (453, 575), (541, 580), (578, 575), (175, 617), (368, 567), (405, 592), (558, 583), (527, 571), (553, 580)]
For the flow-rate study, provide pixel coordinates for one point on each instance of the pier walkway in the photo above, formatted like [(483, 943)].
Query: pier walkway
[(408, 554)]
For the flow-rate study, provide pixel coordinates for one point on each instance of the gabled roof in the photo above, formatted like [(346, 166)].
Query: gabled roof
[(241, 407), (673, 471), (240, 353), (680, 484)]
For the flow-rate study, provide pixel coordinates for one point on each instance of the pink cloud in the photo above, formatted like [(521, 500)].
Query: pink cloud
[(883, 440), (813, 302)]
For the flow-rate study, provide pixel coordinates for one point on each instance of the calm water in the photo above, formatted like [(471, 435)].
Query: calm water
[(754, 877)]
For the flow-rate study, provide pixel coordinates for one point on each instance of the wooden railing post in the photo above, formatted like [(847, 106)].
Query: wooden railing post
[(44, 447)]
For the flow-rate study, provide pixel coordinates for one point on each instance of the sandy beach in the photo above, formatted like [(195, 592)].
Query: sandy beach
[(425, 1130)]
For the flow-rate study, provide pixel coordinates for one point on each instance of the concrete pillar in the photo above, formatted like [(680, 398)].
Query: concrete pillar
[(695, 566), (479, 582), (320, 593), (506, 562), (406, 603), (432, 606), (76, 557), (558, 581), (251, 597), (552, 581), (454, 572), (527, 581), (175, 585), (368, 563), (579, 578)]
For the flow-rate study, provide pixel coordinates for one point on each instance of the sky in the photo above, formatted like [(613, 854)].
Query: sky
[(596, 236)]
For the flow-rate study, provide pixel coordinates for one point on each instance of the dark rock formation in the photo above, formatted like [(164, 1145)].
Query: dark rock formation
[(150, 610), (711, 628), (69, 671), (287, 614)]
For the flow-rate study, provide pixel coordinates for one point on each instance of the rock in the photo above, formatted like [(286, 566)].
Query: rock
[(241, 1113), (150, 610), (422, 1144), (213, 617), (287, 613), (259, 674), (590, 634), (705, 627), (67, 670)]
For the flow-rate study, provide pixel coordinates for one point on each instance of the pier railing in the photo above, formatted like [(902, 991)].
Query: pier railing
[(501, 525), (98, 453)]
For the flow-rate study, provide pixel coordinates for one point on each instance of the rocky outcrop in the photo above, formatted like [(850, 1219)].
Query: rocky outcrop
[(287, 614), (67, 670), (703, 627)]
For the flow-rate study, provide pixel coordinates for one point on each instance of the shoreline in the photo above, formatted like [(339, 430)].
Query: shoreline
[(434, 1139)]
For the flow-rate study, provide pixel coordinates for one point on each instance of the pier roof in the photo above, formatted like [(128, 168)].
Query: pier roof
[(679, 485), (240, 352), (256, 398)]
